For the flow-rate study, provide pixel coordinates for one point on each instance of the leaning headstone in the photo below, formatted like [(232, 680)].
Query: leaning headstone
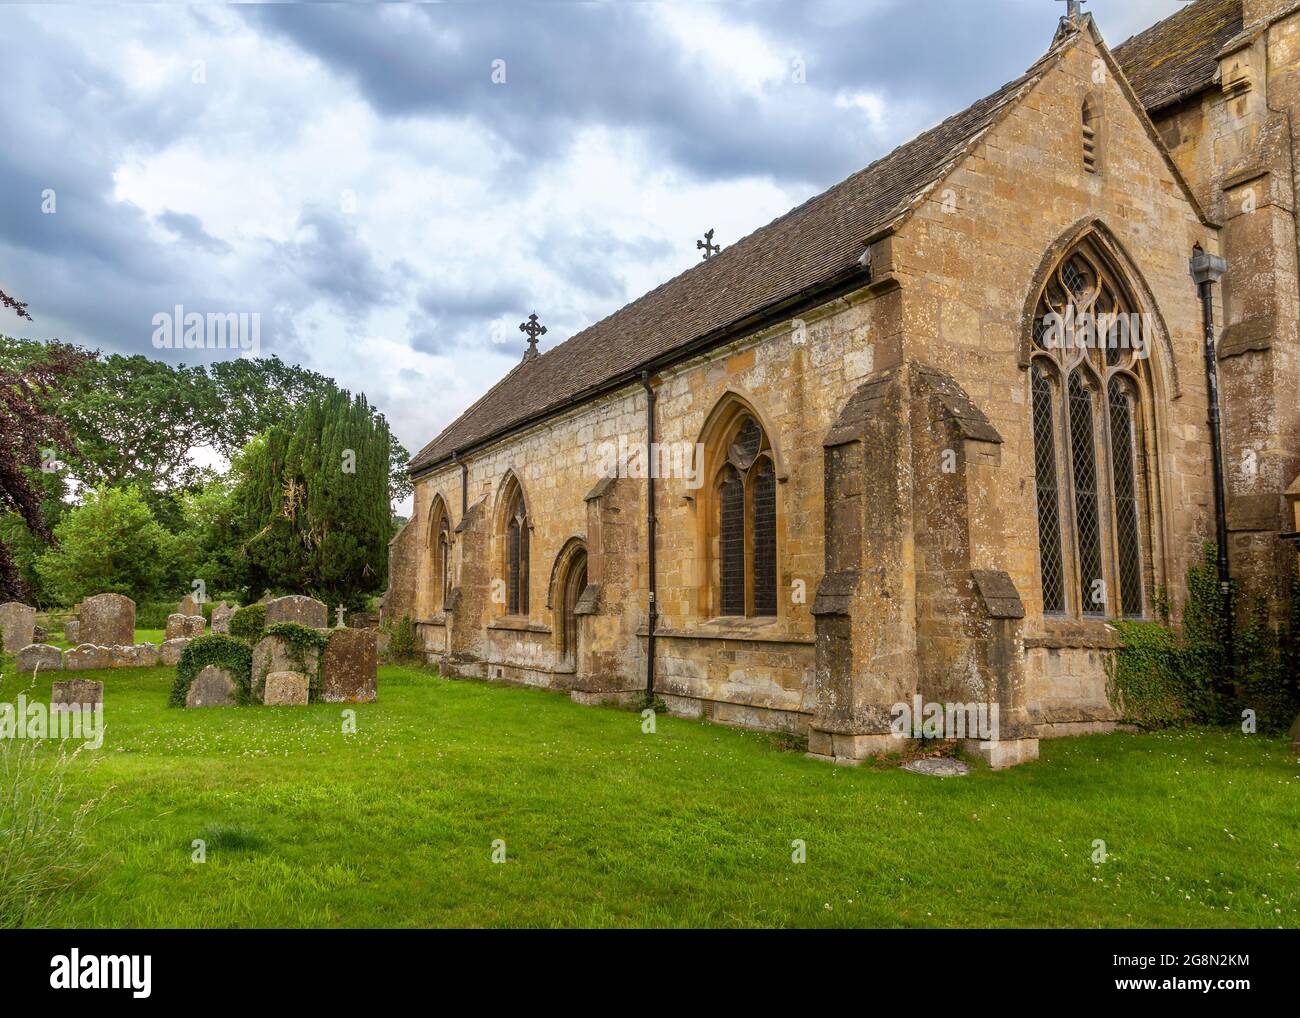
[(349, 670), (17, 626), (86, 656), (286, 689), (183, 627), (188, 606), (81, 693), (108, 620), (39, 656), (276, 654), (306, 611), (72, 631), (221, 617), (214, 686), (169, 653)]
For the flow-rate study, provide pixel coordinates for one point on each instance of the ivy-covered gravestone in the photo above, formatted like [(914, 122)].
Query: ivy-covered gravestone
[(212, 670), (288, 647)]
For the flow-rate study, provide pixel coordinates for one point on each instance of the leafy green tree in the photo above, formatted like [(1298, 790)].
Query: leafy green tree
[(109, 543)]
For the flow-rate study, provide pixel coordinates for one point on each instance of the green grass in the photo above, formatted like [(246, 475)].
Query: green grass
[(691, 826)]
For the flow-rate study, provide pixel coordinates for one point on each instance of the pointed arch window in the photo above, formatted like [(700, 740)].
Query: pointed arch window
[(744, 506), (514, 525), (1089, 384), (440, 532)]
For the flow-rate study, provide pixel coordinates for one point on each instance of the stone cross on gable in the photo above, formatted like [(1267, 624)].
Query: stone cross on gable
[(1073, 9), (707, 245), (533, 329)]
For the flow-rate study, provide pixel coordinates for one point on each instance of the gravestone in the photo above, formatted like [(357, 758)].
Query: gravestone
[(183, 627), (170, 651), (1295, 734), (221, 617), (188, 606), (212, 687), (17, 626), (286, 689), (349, 670), (306, 611), (81, 693), (107, 620), (146, 655), (72, 631), (86, 656), (276, 654), (39, 656)]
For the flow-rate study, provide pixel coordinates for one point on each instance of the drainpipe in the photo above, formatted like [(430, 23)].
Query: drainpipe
[(464, 484), (650, 537), (1208, 269)]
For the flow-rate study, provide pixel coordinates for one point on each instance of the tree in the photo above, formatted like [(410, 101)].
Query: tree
[(314, 501), (111, 543), (31, 437)]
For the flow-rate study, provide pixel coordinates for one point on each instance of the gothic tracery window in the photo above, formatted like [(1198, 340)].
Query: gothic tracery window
[(744, 488), (1089, 383)]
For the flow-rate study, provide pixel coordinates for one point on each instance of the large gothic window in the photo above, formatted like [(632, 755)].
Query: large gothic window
[(514, 531), (1089, 383), (744, 489)]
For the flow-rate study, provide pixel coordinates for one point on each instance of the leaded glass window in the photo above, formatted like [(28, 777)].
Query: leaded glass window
[(1088, 375), (745, 496)]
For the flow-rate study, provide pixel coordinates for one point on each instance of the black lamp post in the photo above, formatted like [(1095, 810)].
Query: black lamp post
[(1208, 269)]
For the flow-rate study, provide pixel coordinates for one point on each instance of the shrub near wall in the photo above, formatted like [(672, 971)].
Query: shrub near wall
[(223, 651)]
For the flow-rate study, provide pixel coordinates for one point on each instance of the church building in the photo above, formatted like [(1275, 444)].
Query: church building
[(926, 435)]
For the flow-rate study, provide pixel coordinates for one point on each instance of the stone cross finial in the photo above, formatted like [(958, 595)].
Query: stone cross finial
[(533, 329), (1073, 10), (707, 245), (341, 624)]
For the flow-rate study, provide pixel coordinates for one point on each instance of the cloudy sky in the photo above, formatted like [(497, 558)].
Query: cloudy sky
[(394, 188)]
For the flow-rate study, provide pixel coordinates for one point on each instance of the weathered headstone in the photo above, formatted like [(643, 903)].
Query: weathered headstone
[(40, 635), (183, 627), (349, 670), (221, 617), (188, 606), (39, 656), (276, 654), (72, 631), (286, 689), (1295, 734), (212, 687), (108, 620), (17, 626), (169, 653), (82, 693), (146, 655), (86, 656), (306, 611)]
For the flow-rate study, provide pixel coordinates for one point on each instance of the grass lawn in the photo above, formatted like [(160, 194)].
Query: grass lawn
[(691, 826)]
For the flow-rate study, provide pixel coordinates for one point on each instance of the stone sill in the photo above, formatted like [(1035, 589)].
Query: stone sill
[(518, 624), (746, 631), (437, 619), (1074, 634)]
